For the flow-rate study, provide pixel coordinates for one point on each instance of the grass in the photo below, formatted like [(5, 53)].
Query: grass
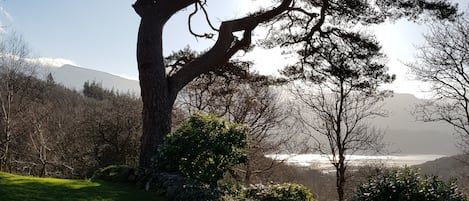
[(19, 188)]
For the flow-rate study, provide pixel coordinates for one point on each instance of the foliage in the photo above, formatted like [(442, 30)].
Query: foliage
[(171, 186), (406, 184), (96, 91), (18, 188), (115, 173), (203, 148), (278, 192)]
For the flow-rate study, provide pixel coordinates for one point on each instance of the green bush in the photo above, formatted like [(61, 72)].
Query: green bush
[(404, 185), (116, 173), (203, 148), (278, 192)]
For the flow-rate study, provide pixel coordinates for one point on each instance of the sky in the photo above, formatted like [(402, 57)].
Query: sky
[(102, 35)]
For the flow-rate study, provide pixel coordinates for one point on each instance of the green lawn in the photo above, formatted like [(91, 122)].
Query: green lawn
[(22, 188)]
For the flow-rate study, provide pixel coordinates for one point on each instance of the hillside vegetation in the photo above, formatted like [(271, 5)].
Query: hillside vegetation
[(449, 167), (18, 188)]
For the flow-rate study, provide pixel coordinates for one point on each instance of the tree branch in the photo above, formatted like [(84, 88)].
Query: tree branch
[(163, 8), (225, 47)]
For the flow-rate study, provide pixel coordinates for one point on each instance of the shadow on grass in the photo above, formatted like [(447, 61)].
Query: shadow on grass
[(16, 188)]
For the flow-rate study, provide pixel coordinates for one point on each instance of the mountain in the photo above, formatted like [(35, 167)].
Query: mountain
[(403, 134), (74, 77), (409, 136)]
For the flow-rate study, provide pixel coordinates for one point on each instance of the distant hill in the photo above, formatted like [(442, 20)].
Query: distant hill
[(447, 167), (404, 134), (456, 167)]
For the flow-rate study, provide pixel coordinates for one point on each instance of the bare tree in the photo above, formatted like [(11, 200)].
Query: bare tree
[(443, 63), (16, 75), (38, 129), (65, 128), (246, 98), (340, 95), (303, 20), (259, 107), (114, 126), (40, 136)]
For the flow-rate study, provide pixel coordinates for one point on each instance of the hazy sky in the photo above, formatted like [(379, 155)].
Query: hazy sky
[(102, 34)]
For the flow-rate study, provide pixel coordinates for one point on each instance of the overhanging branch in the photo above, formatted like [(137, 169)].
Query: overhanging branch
[(225, 46)]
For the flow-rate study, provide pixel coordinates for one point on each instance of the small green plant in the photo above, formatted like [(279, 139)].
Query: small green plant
[(278, 192), (203, 148), (405, 185)]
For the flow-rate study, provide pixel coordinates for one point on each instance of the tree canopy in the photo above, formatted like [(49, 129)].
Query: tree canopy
[(294, 23)]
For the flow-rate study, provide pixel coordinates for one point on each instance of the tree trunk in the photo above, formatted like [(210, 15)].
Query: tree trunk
[(5, 163), (247, 177), (43, 172), (6, 109), (156, 93), (340, 180), (340, 143)]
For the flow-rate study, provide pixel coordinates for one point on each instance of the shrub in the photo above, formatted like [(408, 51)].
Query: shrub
[(175, 187), (406, 184), (278, 192), (172, 186), (116, 173), (203, 148)]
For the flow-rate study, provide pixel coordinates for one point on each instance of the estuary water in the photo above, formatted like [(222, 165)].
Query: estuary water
[(321, 162)]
